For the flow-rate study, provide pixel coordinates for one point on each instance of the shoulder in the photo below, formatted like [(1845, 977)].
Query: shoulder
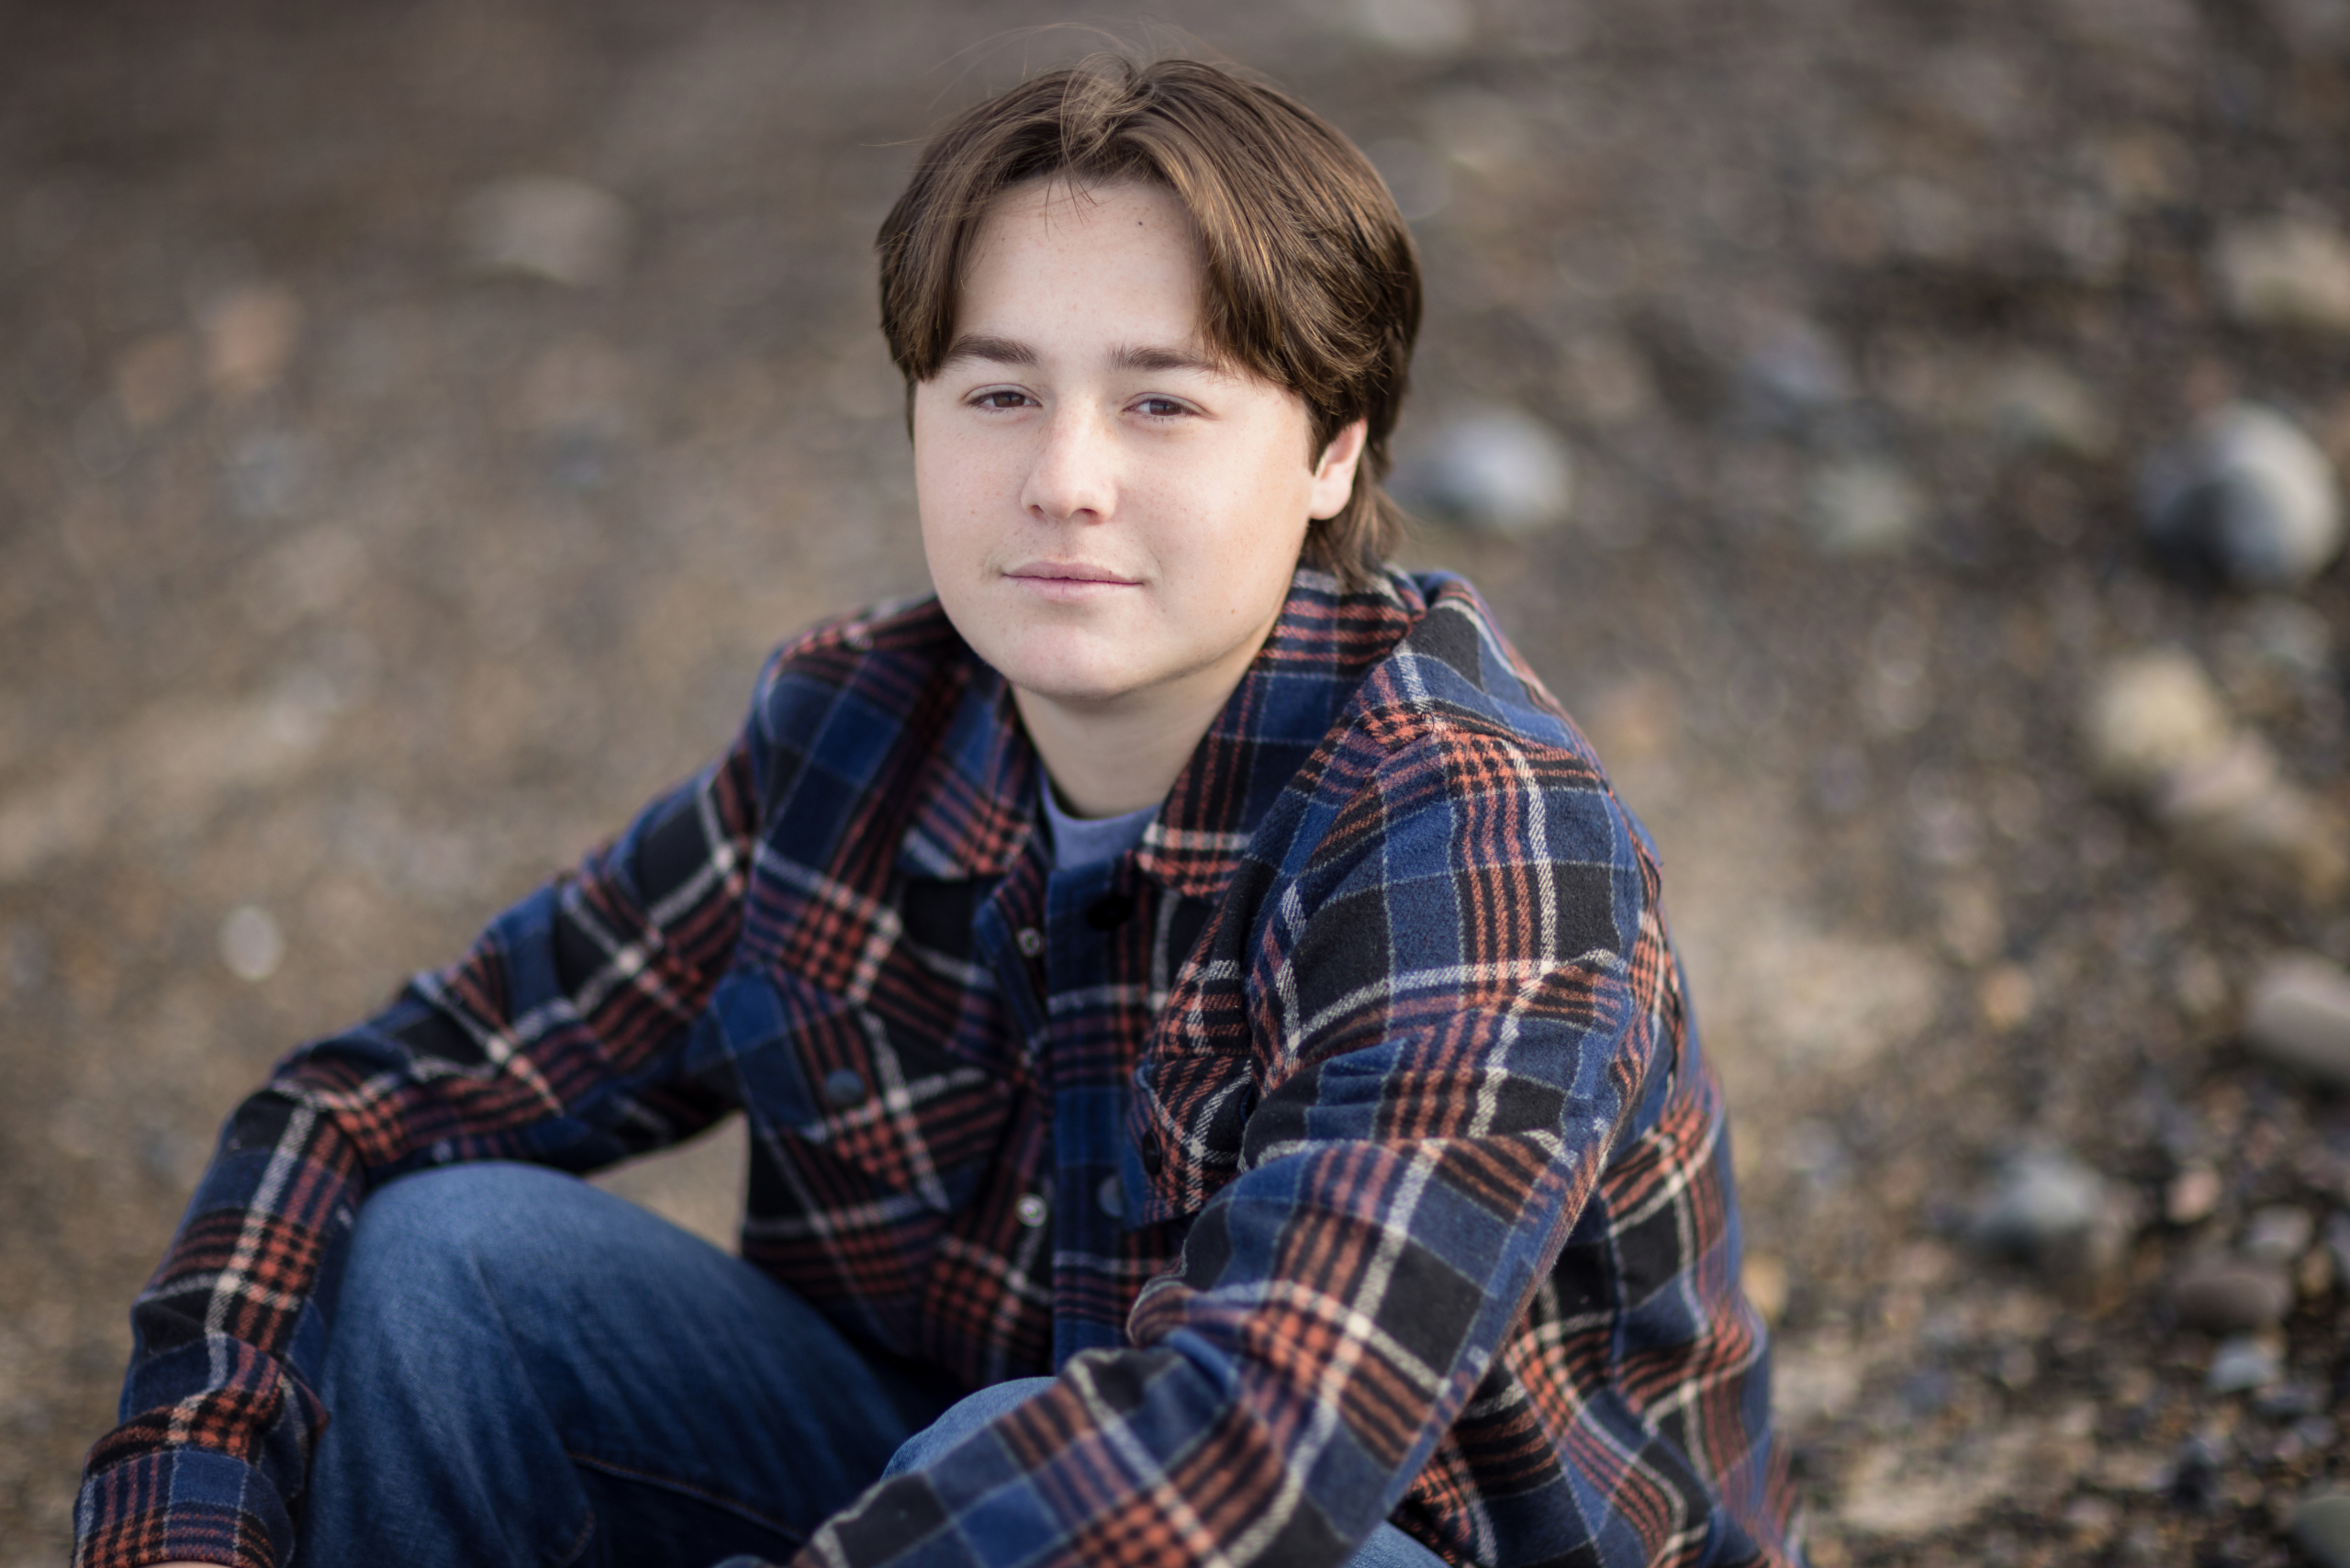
[(1452, 755), (851, 689), (1456, 669)]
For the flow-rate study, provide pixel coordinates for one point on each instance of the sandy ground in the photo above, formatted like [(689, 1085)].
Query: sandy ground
[(345, 592)]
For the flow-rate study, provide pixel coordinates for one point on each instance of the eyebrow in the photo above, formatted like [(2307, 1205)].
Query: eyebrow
[(1131, 357)]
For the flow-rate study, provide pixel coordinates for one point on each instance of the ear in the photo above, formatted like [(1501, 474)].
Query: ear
[(1333, 472)]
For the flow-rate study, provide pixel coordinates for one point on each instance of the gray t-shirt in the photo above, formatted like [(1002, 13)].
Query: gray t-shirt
[(1081, 841)]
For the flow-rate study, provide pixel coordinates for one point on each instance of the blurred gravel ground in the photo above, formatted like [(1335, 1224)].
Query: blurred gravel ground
[(345, 592)]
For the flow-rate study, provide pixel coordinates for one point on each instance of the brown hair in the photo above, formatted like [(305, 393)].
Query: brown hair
[(1312, 280)]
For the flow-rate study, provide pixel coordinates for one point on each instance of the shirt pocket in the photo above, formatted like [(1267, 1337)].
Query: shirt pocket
[(844, 1085), (1185, 1126)]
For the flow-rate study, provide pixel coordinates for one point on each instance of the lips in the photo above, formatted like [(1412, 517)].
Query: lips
[(1070, 572)]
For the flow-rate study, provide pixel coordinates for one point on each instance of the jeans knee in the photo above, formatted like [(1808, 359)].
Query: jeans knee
[(445, 1233)]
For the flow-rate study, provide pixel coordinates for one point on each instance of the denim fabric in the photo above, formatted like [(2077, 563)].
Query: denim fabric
[(527, 1371)]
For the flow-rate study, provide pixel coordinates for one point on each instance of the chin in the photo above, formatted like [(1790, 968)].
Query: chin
[(1077, 688)]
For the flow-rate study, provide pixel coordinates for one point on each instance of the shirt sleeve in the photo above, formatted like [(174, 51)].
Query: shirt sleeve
[(1449, 1009), (554, 1040)]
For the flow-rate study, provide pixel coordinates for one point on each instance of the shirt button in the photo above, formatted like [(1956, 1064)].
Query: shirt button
[(843, 1086), (1031, 940), (1031, 1210), (1112, 1196)]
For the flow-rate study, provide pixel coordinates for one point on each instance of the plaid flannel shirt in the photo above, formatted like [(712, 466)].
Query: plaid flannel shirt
[(1344, 1148)]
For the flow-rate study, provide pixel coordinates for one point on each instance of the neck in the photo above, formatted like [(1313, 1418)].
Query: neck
[(1112, 757)]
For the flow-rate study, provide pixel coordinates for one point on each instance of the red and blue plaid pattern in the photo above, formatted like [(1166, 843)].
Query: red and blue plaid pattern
[(1345, 1148)]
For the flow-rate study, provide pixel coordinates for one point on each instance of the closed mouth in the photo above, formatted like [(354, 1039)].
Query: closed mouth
[(1070, 572)]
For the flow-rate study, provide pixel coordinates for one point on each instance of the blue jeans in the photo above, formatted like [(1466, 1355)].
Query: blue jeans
[(526, 1371)]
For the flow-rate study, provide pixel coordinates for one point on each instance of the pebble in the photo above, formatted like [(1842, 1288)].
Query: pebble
[(249, 336), (2245, 817), (540, 226), (2241, 1363), (2194, 1476), (1864, 506), (2192, 1196), (1763, 1278), (2226, 1296), (1793, 371), (2298, 1018), (2044, 1207), (2285, 272), (2277, 1235), (251, 944), (2151, 716), (2321, 1528), (2247, 493), (2031, 403), (1496, 468)]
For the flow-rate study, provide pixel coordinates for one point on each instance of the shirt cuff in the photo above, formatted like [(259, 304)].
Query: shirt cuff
[(182, 1505)]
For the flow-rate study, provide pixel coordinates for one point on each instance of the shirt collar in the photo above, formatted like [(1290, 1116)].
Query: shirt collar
[(977, 805)]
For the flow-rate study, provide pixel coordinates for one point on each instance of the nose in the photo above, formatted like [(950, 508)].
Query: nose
[(1072, 476)]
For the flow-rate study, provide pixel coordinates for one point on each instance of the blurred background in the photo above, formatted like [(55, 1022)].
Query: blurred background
[(1905, 433)]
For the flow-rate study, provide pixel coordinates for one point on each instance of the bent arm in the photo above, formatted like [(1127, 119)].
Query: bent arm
[(554, 1040)]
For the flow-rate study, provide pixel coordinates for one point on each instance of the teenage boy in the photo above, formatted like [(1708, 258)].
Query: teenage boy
[(1219, 1087)]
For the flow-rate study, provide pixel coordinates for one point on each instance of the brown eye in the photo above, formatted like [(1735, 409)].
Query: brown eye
[(1002, 398), (1160, 408)]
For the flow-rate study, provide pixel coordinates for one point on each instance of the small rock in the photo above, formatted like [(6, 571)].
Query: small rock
[(2151, 716), (2241, 814), (249, 336), (2031, 403), (2155, 727), (2192, 1195), (251, 946), (2321, 1528), (2299, 1017), (2248, 494), (1494, 468), (2287, 1402), (2277, 1235), (1864, 506), (2285, 272), (1765, 1280), (539, 226), (2313, 1275), (2244, 1362), (2046, 1208), (1793, 371), (2006, 997), (2195, 1475), (2225, 1295)]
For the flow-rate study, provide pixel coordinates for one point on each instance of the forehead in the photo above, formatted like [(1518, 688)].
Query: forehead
[(1057, 251)]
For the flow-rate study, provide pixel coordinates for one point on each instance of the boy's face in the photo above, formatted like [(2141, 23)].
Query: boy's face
[(1109, 515)]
